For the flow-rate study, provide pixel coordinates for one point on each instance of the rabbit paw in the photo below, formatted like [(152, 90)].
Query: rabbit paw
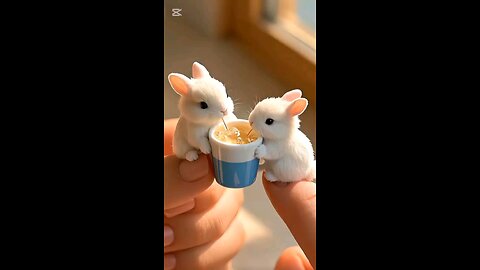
[(260, 151), (270, 177), (205, 148), (192, 155)]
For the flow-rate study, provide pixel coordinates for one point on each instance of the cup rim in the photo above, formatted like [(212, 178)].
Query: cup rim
[(212, 130)]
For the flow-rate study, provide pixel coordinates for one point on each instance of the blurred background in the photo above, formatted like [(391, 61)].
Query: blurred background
[(258, 49)]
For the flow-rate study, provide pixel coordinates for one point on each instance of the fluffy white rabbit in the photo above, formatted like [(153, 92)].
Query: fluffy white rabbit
[(203, 104), (288, 153)]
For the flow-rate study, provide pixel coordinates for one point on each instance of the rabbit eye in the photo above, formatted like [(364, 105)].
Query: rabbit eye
[(203, 105), (269, 121)]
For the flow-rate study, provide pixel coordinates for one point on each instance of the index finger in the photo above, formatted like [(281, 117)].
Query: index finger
[(296, 204)]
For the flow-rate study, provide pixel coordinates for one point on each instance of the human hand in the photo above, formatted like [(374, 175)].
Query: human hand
[(296, 205), (201, 226)]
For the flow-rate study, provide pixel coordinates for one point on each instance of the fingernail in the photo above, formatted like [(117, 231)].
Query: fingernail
[(169, 262), (179, 209), (193, 170), (167, 236)]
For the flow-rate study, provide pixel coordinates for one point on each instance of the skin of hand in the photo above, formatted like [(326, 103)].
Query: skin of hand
[(201, 227), (295, 203)]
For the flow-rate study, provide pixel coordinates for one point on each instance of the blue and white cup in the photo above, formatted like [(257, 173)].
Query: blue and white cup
[(235, 164)]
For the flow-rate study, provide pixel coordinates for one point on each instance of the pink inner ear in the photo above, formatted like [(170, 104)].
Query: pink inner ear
[(298, 107), (292, 95), (179, 83), (199, 71)]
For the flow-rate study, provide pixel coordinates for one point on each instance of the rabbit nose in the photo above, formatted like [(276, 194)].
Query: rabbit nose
[(224, 112), (251, 123)]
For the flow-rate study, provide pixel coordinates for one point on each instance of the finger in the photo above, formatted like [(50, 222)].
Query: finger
[(228, 266), (296, 204), (200, 203), (194, 229), (208, 198), (183, 180), (214, 255), (169, 126), (189, 205), (293, 258)]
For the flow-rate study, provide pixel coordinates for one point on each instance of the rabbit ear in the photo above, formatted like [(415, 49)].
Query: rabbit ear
[(297, 106), (292, 95), (180, 83), (199, 71)]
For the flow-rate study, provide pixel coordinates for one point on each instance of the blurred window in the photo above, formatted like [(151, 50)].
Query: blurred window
[(281, 34), (297, 17)]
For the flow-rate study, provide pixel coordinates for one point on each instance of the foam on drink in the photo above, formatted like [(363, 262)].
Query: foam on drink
[(235, 134)]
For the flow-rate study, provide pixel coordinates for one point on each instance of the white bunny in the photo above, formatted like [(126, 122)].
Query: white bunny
[(287, 152), (203, 103)]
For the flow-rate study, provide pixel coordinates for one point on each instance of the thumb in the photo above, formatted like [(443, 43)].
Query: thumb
[(293, 258), (295, 203), (184, 180)]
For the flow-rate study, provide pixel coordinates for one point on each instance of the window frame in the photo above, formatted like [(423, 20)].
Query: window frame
[(288, 19)]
